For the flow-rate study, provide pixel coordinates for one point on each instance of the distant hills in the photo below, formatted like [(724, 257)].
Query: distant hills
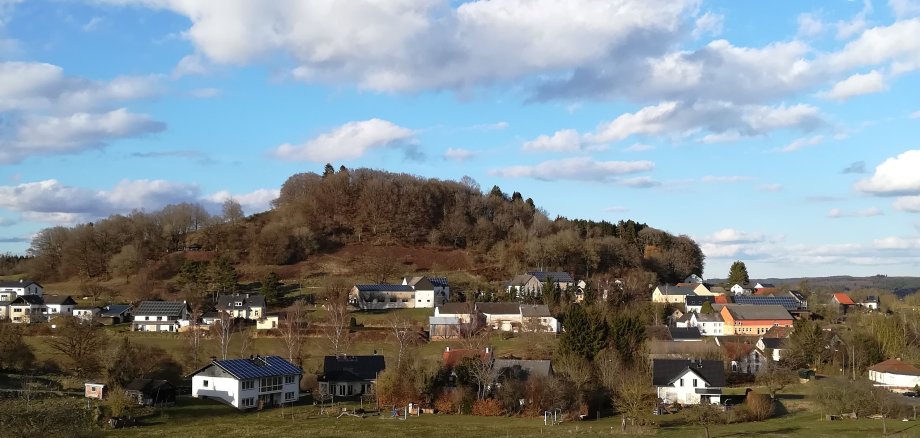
[(901, 286)]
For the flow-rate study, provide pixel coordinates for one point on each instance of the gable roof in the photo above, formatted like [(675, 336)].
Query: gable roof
[(895, 366), (421, 283), (456, 308), (255, 367), (778, 332), (499, 308), (788, 302), (439, 281), (352, 368), (722, 299), (774, 343), (31, 300), (699, 300), (520, 280), (541, 367), (115, 309), (248, 300), (18, 283), (159, 308), (765, 286), (737, 350), (709, 317), (667, 289), (558, 277), (797, 295), (384, 288), (684, 333), (755, 312), (843, 299), (453, 356), (61, 300), (666, 371), (535, 310)]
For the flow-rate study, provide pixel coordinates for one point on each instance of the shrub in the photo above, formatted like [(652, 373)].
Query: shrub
[(759, 406), (445, 403), (487, 408)]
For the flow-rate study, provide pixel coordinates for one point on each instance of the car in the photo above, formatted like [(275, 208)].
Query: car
[(911, 394)]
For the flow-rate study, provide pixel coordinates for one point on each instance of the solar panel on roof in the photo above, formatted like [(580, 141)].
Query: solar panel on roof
[(788, 303)]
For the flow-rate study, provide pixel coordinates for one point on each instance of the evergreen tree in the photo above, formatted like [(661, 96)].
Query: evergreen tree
[(707, 308), (120, 370), (627, 333), (738, 273), (328, 170), (222, 276), (584, 335), (270, 288)]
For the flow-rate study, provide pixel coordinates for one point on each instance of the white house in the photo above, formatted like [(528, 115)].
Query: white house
[(269, 322), (505, 317), (85, 313), (710, 324), (688, 382), (738, 289), (9, 290), (349, 376), (27, 309), (666, 293), (260, 381), (429, 291), (870, 302), (743, 358), (693, 278), (536, 318), (694, 303), (895, 374), (59, 305), (246, 306), (382, 296), (160, 316)]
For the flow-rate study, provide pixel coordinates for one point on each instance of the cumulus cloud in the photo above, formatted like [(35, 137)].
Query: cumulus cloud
[(848, 28), (810, 25), (855, 167), (568, 140), (349, 141), (856, 85), (575, 169), (897, 176), (51, 201), (639, 182), (638, 147), (910, 204), (731, 235), (837, 213), (458, 154), (708, 24)]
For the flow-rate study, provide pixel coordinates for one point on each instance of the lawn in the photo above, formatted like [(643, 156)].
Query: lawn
[(195, 417)]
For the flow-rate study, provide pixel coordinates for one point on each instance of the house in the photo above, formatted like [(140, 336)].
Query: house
[(743, 357), (160, 316), (771, 343), (93, 390), (505, 317), (749, 319), (688, 382), (27, 309), (246, 306), (211, 318), (270, 321), (524, 285), (562, 280), (429, 291), (741, 289), (665, 349), (694, 303), (58, 305), (531, 368), (453, 320), (256, 382), (4, 310), (444, 327), (765, 289), (798, 296), (536, 318), (718, 290), (466, 312), (709, 324), (151, 392), (382, 296), (345, 376), (685, 334), (895, 374), (843, 301), (693, 278), (9, 290), (115, 314), (788, 302), (870, 302), (452, 356), (85, 313), (673, 294)]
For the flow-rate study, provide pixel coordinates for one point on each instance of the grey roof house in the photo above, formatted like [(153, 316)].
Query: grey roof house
[(160, 316)]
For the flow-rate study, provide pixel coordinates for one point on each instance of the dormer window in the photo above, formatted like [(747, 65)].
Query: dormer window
[(239, 304)]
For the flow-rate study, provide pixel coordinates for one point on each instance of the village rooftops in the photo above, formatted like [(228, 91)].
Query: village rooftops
[(895, 366), (255, 367), (225, 302), (699, 300), (160, 308), (844, 299), (17, 284), (384, 288), (756, 312), (33, 300), (59, 300), (352, 368), (499, 308), (778, 333), (115, 310), (535, 311), (455, 308), (667, 289), (684, 333), (788, 302), (666, 371), (539, 368), (558, 277)]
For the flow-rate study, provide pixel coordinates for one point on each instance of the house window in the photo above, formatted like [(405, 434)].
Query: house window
[(239, 304), (681, 382), (249, 384), (268, 384), (249, 402), (694, 383), (289, 396), (288, 379), (341, 389), (204, 383)]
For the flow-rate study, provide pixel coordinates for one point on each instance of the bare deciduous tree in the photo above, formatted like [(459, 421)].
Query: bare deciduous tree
[(195, 334), (403, 333), (80, 342), (223, 332), (335, 301), (246, 336), (293, 331)]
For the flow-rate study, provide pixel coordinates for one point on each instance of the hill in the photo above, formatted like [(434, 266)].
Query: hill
[(901, 286)]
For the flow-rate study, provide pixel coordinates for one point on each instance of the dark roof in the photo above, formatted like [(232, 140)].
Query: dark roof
[(758, 312), (535, 310), (684, 333), (34, 300), (666, 371), (456, 308), (499, 308), (352, 368), (255, 367), (871, 299), (384, 288), (698, 300), (147, 385), (439, 281), (248, 300), (160, 308), (558, 277), (797, 295), (767, 286), (667, 289), (421, 283), (5, 303), (788, 302), (59, 299), (541, 368), (115, 309), (773, 342), (17, 283), (520, 280), (737, 350)]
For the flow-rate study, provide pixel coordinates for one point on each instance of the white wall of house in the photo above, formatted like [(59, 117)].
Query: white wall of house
[(10, 293), (683, 390), (268, 323), (59, 309), (424, 298), (897, 380), (346, 389), (223, 388), (503, 322), (85, 314), (27, 314)]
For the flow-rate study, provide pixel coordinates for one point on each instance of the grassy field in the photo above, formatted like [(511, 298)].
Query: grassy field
[(203, 418)]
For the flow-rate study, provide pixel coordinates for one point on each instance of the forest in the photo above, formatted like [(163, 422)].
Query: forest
[(322, 212)]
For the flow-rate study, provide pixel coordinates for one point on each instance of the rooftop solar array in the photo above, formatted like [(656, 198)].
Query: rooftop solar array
[(168, 308), (384, 288), (258, 367), (438, 281), (788, 302)]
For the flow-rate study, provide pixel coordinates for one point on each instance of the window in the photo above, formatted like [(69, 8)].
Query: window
[(204, 383), (694, 383), (239, 304), (681, 382), (268, 384), (288, 379), (249, 402), (289, 396), (249, 384)]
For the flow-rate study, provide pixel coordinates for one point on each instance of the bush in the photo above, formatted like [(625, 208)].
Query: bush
[(487, 408), (759, 406), (445, 403)]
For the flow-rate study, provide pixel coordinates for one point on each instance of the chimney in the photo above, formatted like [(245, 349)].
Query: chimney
[(213, 358), (488, 350), (21, 281)]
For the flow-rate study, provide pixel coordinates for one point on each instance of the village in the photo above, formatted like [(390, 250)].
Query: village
[(501, 353)]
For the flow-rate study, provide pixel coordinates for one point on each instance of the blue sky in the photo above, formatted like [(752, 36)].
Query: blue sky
[(781, 134)]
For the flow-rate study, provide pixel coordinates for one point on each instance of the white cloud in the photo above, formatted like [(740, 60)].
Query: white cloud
[(92, 24), (347, 142), (810, 25), (253, 202), (568, 140), (836, 213), (904, 8), (770, 187), (915, 115), (894, 43), (617, 209), (856, 85), (802, 142), (190, 65), (708, 24), (731, 235), (638, 147), (458, 154), (47, 135), (897, 176), (909, 204), (896, 243), (575, 169), (639, 182)]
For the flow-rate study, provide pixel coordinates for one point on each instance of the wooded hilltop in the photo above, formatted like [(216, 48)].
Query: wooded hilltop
[(322, 213)]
